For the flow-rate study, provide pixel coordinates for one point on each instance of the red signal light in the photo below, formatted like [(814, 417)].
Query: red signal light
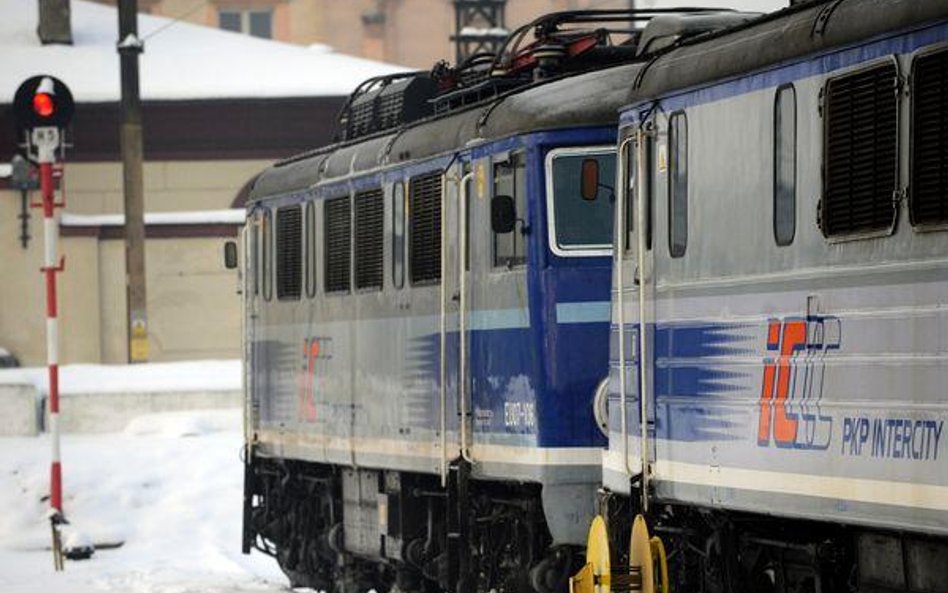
[(43, 104)]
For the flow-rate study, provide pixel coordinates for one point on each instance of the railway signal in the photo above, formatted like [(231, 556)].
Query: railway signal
[(43, 107)]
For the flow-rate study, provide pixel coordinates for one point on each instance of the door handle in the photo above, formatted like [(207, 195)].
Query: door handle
[(635, 277)]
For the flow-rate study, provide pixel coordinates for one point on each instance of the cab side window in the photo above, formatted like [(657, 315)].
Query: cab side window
[(510, 179)]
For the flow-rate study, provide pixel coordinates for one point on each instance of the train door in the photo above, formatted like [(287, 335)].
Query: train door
[(453, 359), (252, 289), (634, 319)]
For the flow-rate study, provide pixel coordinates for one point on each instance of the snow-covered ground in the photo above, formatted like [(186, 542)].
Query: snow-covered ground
[(170, 487)]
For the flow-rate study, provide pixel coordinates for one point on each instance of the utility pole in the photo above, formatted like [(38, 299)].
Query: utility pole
[(129, 46)]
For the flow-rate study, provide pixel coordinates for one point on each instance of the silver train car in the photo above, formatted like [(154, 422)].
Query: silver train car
[(779, 357)]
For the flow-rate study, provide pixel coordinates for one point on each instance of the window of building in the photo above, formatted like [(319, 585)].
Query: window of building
[(577, 224), (338, 244), (310, 249), (289, 252), (369, 235), (861, 152), (928, 202), (267, 256), (398, 234), (510, 179), (425, 228), (785, 165), (258, 23), (678, 184), (255, 251)]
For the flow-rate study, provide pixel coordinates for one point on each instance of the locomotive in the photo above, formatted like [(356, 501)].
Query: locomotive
[(778, 371), (443, 392)]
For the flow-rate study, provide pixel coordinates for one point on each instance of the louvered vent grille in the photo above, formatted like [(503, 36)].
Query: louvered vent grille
[(390, 110), (861, 144), (929, 186), (338, 238), (369, 213), (425, 229), (289, 247)]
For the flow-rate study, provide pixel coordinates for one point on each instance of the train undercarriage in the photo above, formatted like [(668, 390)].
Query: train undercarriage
[(346, 530)]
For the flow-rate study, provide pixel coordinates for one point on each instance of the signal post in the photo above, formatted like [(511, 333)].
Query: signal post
[(43, 107)]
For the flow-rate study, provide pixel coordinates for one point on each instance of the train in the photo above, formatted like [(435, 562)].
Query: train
[(648, 300)]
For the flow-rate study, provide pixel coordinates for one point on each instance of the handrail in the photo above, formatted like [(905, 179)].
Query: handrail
[(443, 347), (620, 310), (643, 338), (462, 314)]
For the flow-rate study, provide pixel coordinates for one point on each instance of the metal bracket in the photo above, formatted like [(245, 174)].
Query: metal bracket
[(61, 267)]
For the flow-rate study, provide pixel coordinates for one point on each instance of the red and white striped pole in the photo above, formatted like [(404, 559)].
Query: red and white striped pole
[(46, 140)]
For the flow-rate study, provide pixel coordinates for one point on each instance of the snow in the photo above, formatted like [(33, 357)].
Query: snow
[(203, 375), (228, 216), (180, 61), (172, 500)]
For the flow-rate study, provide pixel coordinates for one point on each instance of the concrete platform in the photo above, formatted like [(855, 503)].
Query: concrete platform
[(20, 410), (111, 412)]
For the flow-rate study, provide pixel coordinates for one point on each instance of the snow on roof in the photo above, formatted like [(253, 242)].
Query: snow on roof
[(228, 216), (181, 60)]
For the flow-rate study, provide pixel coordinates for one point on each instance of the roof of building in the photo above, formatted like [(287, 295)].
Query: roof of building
[(181, 60)]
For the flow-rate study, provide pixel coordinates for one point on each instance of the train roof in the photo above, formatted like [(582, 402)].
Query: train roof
[(792, 33), (590, 98)]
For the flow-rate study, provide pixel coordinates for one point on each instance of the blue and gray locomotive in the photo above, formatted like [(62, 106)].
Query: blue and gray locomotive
[(442, 391), (779, 362), (427, 317)]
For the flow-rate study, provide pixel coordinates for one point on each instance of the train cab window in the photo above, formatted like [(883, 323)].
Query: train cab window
[(369, 237), (510, 179), (928, 201), (860, 152), (398, 234), (424, 241), (289, 253), (266, 258), (785, 165), (677, 184), (338, 240), (580, 224), (310, 234)]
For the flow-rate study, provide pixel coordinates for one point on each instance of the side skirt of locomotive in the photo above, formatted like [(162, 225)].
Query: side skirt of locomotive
[(341, 529), (720, 551)]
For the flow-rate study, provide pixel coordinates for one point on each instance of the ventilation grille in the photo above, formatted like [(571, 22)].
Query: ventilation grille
[(929, 203), (338, 237), (289, 252), (369, 212), (425, 229), (861, 145)]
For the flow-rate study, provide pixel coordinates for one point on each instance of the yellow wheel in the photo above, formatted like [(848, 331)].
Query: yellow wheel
[(644, 551), (595, 576)]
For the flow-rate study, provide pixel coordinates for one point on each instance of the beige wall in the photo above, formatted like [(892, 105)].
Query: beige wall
[(193, 308), (415, 33)]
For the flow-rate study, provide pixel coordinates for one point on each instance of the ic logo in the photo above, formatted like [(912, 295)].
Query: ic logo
[(792, 387), (316, 353)]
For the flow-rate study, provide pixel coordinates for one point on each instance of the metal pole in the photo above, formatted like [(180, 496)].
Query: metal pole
[(46, 140), (129, 47)]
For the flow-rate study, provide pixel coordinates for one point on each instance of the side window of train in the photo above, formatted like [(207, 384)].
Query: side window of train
[(510, 249), (424, 238), (369, 238), (310, 249), (677, 184), (266, 259), (785, 165), (337, 235), (398, 234), (928, 202), (289, 253), (860, 153)]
